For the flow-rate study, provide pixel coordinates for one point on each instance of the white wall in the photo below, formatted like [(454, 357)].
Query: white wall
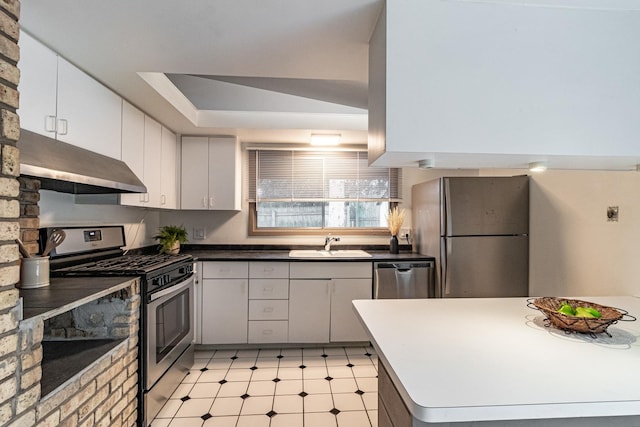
[(58, 209), (574, 249)]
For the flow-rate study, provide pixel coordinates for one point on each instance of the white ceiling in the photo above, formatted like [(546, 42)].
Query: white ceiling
[(265, 70)]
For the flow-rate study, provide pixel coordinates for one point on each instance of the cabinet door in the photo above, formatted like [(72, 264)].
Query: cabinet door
[(152, 161), (309, 308), (345, 326), (38, 82), (224, 174), (168, 183), (224, 311), (133, 149), (89, 114), (194, 191)]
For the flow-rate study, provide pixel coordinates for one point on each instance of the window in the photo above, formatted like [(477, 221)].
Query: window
[(319, 191)]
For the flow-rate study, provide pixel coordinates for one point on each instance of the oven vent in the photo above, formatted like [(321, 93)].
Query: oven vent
[(66, 168)]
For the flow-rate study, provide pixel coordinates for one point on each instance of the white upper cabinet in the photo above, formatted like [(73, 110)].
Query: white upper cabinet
[(61, 101), (211, 173), (38, 81), (153, 162), (168, 168), (133, 149), (89, 115)]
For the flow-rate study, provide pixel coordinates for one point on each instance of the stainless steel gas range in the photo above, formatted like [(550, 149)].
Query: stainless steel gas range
[(166, 309)]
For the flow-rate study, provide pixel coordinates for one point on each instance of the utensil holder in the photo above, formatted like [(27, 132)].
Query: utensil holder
[(34, 272)]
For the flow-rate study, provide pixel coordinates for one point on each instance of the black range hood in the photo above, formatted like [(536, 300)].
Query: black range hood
[(66, 168)]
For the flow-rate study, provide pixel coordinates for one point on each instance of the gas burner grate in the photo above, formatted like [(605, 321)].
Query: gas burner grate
[(127, 264)]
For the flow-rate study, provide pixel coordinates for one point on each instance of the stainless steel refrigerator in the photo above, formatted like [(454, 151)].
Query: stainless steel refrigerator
[(477, 228)]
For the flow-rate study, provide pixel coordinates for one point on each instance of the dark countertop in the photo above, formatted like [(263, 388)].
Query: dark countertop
[(67, 293), (283, 255)]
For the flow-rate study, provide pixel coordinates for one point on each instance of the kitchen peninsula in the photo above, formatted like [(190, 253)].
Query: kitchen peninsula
[(493, 362)]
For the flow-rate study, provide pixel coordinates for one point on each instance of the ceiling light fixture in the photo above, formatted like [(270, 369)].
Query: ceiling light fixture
[(537, 166), (426, 164), (321, 139)]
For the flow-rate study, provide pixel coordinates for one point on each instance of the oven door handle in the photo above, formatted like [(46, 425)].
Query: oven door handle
[(171, 290)]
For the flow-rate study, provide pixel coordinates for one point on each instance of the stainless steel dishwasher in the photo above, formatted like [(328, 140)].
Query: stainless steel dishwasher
[(411, 279)]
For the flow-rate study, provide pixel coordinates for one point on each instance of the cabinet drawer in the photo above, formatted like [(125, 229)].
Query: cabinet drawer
[(268, 288), (225, 269), (331, 270), (268, 331), (269, 309), (267, 270)]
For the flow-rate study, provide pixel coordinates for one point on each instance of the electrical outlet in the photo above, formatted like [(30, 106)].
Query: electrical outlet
[(612, 213), (199, 233), (405, 234)]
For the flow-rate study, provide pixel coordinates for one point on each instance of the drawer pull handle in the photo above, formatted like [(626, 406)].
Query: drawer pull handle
[(268, 290), (267, 332), (268, 309)]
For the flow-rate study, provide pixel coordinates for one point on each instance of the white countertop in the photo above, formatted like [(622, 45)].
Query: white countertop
[(456, 360)]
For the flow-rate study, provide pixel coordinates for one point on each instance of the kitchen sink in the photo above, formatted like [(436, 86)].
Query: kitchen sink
[(318, 253)]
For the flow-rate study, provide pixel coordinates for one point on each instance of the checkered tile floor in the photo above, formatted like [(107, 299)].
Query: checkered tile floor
[(310, 387)]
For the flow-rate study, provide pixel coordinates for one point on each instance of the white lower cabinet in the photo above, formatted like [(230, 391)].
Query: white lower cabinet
[(280, 302), (320, 307), (309, 310), (225, 293)]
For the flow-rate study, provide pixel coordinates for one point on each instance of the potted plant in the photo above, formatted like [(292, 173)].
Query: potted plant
[(170, 237)]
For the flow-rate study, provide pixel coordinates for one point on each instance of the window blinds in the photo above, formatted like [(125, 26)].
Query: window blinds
[(290, 175)]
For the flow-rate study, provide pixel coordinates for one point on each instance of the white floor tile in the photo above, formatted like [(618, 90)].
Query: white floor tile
[(267, 362), (370, 401), (287, 420), (314, 361), (290, 362), (318, 403), (313, 352), (253, 421), (203, 354), (182, 390), (335, 351), (290, 373), (230, 421), (258, 405), (238, 375), (343, 385), (373, 417), (337, 361), (340, 372), (269, 352), (170, 408), (360, 360), (353, 419), (291, 352), (357, 351), (212, 375), (194, 408), (321, 386), (186, 422), (161, 422), (365, 371), (367, 384), (191, 377), (204, 390), (290, 404), (348, 402), (248, 353), (244, 362), (261, 388), (226, 406), (199, 364), (219, 364), (224, 354), (233, 389), (264, 374), (315, 372), (288, 387), (319, 420)]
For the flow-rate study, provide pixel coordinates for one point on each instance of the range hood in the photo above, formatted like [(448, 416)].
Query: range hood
[(66, 168)]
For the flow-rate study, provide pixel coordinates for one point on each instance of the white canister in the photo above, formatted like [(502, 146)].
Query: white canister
[(34, 272)]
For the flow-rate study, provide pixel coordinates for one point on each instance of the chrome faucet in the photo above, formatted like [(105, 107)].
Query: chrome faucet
[(328, 240)]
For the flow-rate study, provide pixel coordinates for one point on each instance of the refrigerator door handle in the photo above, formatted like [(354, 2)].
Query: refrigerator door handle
[(445, 249)]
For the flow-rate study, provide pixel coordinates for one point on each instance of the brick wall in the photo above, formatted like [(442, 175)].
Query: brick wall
[(12, 402)]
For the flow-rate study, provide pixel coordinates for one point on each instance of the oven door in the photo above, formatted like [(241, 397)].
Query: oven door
[(169, 328)]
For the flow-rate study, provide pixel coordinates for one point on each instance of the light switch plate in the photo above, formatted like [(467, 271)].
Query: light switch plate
[(199, 233)]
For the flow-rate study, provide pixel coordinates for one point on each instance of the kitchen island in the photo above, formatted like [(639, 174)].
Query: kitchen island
[(493, 362)]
